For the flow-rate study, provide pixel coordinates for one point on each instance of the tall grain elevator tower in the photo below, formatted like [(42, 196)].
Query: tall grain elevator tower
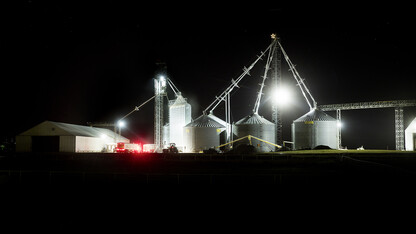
[(160, 92), (276, 76)]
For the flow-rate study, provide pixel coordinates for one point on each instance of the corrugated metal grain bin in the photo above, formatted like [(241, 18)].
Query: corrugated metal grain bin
[(313, 129), (257, 126), (203, 133)]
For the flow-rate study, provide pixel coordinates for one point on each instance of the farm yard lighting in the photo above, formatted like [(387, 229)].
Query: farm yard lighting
[(282, 96), (121, 124), (162, 81), (160, 85)]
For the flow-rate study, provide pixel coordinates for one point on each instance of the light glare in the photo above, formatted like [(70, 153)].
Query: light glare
[(282, 96), (162, 81), (121, 124)]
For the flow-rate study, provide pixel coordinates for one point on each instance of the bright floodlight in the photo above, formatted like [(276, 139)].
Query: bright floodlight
[(121, 124), (162, 80), (339, 124), (282, 96)]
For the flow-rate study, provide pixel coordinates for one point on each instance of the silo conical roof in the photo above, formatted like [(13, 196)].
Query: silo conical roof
[(180, 100), (253, 119), (205, 121), (315, 115)]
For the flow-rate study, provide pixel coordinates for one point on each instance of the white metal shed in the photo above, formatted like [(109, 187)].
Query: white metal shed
[(50, 136)]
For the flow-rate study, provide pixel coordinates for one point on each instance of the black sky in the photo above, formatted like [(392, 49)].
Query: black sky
[(93, 61)]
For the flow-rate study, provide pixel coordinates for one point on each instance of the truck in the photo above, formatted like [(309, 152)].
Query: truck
[(128, 148), (149, 148), (171, 149)]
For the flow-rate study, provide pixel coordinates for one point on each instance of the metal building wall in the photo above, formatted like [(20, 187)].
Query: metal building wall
[(23, 143), (88, 144), (67, 144)]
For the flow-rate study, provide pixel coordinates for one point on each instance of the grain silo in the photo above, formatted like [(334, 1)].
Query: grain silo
[(313, 129), (259, 127), (179, 116), (203, 133)]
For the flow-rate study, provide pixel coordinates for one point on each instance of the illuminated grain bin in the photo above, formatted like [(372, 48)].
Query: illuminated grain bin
[(313, 129), (257, 126), (203, 133)]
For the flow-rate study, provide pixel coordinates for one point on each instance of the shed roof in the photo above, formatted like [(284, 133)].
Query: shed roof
[(50, 128), (411, 127)]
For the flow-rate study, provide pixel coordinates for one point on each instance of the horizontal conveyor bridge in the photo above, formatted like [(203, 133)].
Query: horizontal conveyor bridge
[(398, 117)]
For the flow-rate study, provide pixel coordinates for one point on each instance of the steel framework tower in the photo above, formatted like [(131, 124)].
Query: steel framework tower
[(276, 76), (399, 128), (160, 92)]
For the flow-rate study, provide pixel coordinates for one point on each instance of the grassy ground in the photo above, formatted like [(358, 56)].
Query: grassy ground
[(278, 168), (347, 152), (329, 151)]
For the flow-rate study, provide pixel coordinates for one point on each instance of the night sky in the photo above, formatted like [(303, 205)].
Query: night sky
[(94, 61)]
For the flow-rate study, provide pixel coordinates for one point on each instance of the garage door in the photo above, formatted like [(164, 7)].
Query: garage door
[(45, 143)]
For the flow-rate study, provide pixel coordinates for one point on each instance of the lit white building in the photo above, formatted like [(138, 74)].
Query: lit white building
[(179, 116), (51, 136), (410, 136)]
